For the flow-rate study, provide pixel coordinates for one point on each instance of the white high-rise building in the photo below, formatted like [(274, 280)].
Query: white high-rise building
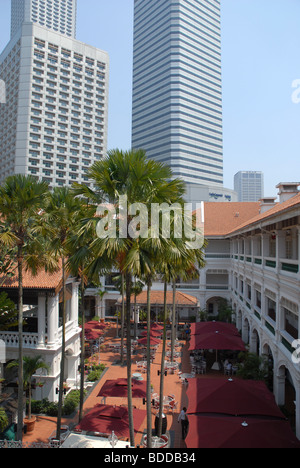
[(177, 87), (57, 15), (249, 185), (54, 122)]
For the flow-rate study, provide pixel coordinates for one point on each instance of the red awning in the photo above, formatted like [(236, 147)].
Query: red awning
[(211, 327), (152, 333), (108, 418), (119, 388), (93, 325), (231, 397), (236, 432), (217, 340), (156, 326)]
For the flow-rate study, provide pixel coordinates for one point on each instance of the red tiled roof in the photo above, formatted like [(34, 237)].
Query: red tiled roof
[(278, 208), (43, 280), (157, 297), (222, 218)]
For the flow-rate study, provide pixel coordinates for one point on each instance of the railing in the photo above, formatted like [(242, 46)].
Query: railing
[(11, 339), (15, 444), (290, 266)]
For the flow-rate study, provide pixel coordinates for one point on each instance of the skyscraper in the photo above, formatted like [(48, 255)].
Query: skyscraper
[(57, 15), (54, 122), (177, 89), (249, 185)]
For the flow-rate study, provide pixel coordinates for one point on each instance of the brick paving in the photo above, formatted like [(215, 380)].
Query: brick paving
[(172, 384)]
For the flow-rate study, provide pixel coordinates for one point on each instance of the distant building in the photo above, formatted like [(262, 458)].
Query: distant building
[(249, 186)]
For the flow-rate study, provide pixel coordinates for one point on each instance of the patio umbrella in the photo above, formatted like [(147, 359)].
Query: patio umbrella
[(156, 326), (152, 333), (217, 340), (92, 334), (119, 388), (236, 432), (232, 397), (107, 418), (200, 328), (93, 325), (153, 341)]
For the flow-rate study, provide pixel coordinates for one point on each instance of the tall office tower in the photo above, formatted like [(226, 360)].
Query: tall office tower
[(54, 122), (57, 15), (177, 89), (249, 186)]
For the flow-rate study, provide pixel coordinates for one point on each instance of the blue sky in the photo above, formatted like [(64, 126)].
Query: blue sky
[(261, 59)]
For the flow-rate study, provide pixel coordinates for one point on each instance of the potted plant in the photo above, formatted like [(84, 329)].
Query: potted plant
[(30, 367)]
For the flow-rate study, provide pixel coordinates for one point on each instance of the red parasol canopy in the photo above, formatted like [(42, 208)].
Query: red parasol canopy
[(92, 334), (108, 418), (119, 388), (211, 327), (153, 341), (232, 397), (236, 432), (156, 326), (93, 325), (152, 333), (217, 340)]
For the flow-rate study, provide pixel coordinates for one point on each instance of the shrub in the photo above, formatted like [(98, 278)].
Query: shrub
[(3, 420)]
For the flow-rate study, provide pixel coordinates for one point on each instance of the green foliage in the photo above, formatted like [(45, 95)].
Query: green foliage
[(253, 367), (8, 313), (3, 420)]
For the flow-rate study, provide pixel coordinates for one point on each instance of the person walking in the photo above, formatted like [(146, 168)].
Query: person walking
[(183, 417)]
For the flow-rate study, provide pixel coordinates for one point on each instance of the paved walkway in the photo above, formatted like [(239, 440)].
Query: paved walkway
[(46, 425)]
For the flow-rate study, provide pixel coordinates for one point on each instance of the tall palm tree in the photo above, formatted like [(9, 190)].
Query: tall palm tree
[(21, 199), (63, 213), (141, 180)]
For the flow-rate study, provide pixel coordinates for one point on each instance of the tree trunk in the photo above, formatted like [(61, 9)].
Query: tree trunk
[(122, 318), (63, 352), (173, 321), (129, 377), (162, 370), (20, 329), (82, 350), (149, 414)]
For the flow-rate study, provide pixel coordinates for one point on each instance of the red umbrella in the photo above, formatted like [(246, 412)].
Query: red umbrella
[(94, 326), (236, 432), (119, 388), (211, 327), (153, 341), (92, 334), (232, 397), (155, 326), (108, 418), (217, 340), (152, 333)]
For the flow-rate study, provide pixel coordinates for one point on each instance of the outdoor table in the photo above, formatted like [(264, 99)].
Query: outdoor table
[(137, 376)]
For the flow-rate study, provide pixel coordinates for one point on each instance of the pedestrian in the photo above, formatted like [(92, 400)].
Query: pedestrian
[(183, 417)]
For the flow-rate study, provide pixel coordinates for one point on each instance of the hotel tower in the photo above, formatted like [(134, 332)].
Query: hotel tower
[(53, 124)]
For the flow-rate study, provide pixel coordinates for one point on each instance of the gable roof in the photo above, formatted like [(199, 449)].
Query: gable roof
[(157, 298), (42, 281)]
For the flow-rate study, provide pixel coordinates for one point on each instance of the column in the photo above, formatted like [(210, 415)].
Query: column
[(41, 319), (53, 312), (74, 303)]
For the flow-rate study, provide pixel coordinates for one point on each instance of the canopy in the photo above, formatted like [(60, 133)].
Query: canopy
[(211, 327), (217, 340), (92, 334), (152, 333), (236, 432), (119, 388), (93, 325), (153, 341), (108, 418), (156, 327), (232, 397)]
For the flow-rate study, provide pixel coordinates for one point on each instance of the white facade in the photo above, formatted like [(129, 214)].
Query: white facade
[(57, 15), (177, 87), (54, 122), (249, 185), (47, 341)]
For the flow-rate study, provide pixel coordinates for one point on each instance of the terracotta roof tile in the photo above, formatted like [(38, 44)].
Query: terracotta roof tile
[(221, 218), (43, 280), (157, 297)]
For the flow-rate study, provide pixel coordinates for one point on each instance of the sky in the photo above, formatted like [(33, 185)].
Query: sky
[(260, 64)]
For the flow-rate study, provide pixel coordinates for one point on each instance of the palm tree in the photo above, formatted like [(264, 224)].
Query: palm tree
[(141, 180), (63, 213), (21, 199), (30, 366)]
